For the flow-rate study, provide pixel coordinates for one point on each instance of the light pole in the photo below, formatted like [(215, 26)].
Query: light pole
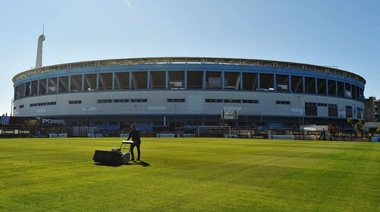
[(301, 106), (11, 114), (300, 111), (86, 127), (175, 116), (341, 119), (86, 116)]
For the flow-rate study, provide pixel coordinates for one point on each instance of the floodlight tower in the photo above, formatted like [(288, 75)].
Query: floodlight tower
[(41, 39)]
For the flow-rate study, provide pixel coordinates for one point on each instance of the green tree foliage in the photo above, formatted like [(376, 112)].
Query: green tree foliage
[(31, 124)]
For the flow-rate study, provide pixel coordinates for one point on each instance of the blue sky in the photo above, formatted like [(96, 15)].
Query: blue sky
[(339, 33)]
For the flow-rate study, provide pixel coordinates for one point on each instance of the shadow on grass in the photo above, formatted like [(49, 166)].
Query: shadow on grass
[(107, 164), (141, 163)]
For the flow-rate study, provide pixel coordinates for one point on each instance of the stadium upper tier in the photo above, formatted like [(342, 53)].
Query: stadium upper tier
[(189, 60), (189, 73)]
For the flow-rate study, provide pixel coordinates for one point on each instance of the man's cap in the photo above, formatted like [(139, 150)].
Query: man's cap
[(132, 126)]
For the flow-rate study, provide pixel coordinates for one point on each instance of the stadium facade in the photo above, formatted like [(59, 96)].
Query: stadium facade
[(168, 93)]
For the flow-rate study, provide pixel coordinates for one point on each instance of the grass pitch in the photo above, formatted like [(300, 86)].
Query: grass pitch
[(190, 174)]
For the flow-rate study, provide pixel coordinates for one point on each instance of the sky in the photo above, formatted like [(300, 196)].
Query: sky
[(344, 34)]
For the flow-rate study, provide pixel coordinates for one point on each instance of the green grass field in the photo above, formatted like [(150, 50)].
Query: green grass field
[(190, 174)]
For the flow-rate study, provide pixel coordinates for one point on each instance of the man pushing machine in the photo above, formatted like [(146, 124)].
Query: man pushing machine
[(135, 135)]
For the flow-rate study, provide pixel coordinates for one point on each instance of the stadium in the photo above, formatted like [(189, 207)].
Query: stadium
[(182, 93)]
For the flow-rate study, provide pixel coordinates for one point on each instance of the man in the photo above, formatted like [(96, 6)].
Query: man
[(135, 135)]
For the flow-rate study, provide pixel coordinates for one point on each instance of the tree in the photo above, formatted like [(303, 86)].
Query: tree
[(31, 124)]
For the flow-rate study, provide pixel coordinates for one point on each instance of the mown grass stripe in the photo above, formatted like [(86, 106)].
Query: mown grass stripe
[(190, 174)]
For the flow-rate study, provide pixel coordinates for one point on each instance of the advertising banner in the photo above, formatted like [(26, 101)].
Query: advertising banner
[(178, 84), (287, 137)]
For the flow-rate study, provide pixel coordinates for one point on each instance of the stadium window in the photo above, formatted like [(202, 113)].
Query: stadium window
[(105, 81), (283, 102), (266, 82), (282, 83), (310, 83), (63, 84), (104, 100), (73, 102), (21, 106), (250, 101), (89, 82), (213, 100), (75, 82), (360, 112), (311, 109), (310, 104), (332, 111), (175, 100), (139, 100), (232, 100), (120, 100), (349, 111)]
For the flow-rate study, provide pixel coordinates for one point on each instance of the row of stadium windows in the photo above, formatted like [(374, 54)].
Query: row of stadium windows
[(311, 108), (71, 102), (232, 101), (42, 104), (121, 100), (183, 100), (188, 80)]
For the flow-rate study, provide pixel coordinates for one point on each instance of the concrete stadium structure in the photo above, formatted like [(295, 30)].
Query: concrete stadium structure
[(168, 93)]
